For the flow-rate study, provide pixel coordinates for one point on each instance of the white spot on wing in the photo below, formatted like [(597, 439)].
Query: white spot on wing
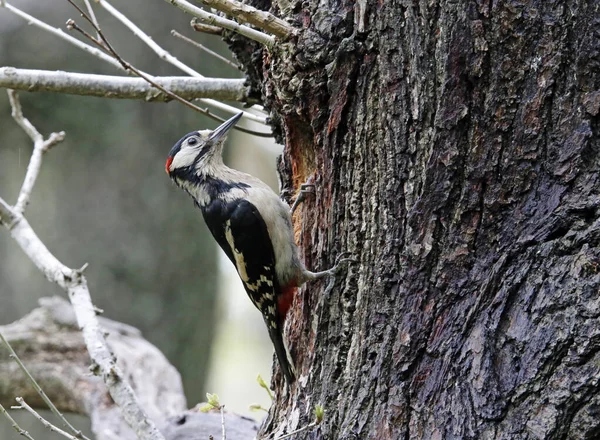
[(240, 264)]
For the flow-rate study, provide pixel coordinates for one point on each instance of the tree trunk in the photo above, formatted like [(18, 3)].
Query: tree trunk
[(454, 147)]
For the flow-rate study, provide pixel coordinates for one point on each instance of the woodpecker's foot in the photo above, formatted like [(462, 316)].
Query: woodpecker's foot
[(305, 188), (339, 265)]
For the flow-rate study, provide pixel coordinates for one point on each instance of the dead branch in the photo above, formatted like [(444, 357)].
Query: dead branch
[(215, 20), (261, 19), (40, 146), (121, 87)]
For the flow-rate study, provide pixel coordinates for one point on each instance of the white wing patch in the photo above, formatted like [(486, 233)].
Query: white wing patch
[(240, 264)]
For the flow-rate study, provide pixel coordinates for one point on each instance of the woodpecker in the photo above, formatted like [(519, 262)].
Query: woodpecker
[(251, 224)]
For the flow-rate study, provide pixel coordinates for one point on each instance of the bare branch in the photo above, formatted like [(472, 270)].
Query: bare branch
[(17, 114), (40, 391), (261, 19), (103, 56), (59, 33), (204, 48), (166, 56), (75, 284), (46, 423), (33, 169), (121, 87), (206, 28), (14, 424), (212, 19), (40, 146)]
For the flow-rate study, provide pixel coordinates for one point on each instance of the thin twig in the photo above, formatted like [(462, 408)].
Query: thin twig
[(127, 66), (88, 5), (71, 25), (40, 146), (46, 423), (166, 56), (223, 433), (41, 392), (204, 48), (59, 33), (14, 424), (212, 19), (261, 19), (304, 428)]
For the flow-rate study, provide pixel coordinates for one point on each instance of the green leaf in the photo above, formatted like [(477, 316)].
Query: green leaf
[(213, 400), (205, 408)]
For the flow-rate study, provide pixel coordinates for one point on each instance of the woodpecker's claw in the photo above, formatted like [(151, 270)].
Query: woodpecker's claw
[(305, 188), (341, 261), (339, 265)]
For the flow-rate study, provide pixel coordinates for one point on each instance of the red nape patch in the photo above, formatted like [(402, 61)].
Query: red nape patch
[(168, 165), (284, 301)]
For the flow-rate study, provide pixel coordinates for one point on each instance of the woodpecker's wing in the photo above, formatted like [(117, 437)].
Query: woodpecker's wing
[(242, 233)]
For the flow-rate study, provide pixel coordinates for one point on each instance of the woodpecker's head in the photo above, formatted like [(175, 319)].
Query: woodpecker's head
[(193, 152)]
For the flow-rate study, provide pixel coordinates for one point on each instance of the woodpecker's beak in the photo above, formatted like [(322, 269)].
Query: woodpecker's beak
[(222, 129)]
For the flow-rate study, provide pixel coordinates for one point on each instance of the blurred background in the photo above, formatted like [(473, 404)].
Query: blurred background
[(103, 198)]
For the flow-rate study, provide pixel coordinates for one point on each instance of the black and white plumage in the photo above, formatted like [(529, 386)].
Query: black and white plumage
[(250, 223)]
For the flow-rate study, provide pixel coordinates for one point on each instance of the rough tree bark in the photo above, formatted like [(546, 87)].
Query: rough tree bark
[(455, 150)]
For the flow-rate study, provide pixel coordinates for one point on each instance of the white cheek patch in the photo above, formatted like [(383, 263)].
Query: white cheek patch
[(184, 158)]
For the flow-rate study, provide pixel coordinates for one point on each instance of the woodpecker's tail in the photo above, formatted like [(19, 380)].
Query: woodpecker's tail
[(284, 359)]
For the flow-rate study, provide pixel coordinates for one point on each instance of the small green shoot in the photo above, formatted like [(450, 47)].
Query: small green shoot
[(212, 403), (319, 414), (263, 384)]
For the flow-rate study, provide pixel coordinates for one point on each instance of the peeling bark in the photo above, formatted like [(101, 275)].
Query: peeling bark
[(455, 150)]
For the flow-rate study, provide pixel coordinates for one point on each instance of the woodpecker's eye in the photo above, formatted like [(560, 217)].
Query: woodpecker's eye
[(192, 141)]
